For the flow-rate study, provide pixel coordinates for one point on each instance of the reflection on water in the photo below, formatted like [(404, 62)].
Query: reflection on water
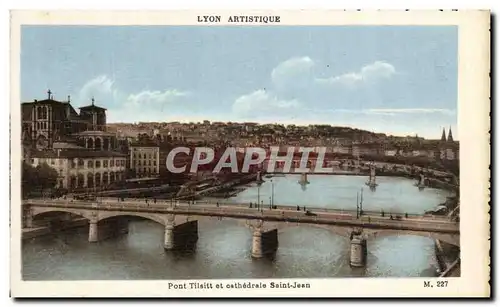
[(223, 251)]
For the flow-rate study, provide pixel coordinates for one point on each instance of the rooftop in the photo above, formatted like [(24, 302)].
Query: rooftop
[(94, 133), (67, 145), (92, 107), (69, 154)]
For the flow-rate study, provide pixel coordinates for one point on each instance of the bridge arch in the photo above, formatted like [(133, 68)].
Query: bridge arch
[(283, 227), (160, 219), (453, 239), (345, 232), (37, 211)]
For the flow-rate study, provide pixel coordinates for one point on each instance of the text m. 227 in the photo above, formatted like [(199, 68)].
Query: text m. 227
[(439, 284)]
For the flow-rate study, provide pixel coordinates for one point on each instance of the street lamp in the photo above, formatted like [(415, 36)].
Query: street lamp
[(272, 194), (361, 203), (258, 195), (357, 205)]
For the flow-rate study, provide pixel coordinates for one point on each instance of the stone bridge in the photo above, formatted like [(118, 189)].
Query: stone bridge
[(181, 222)]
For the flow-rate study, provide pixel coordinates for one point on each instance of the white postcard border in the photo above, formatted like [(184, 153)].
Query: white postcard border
[(473, 127)]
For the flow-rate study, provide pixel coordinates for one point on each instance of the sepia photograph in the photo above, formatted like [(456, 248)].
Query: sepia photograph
[(262, 153)]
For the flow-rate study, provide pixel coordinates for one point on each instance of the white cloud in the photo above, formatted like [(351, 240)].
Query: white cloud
[(145, 105), (292, 69), (409, 111), (154, 98), (101, 88), (260, 101), (375, 71)]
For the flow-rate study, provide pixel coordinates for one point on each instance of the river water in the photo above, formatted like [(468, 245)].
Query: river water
[(223, 249)]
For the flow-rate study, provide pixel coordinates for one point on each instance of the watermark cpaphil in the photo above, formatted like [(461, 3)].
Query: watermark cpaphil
[(241, 160)]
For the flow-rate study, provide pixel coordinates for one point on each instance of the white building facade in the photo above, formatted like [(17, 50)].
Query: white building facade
[(89, 170)]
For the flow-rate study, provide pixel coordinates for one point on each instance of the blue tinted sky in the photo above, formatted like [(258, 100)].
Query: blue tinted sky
[(398, 80)]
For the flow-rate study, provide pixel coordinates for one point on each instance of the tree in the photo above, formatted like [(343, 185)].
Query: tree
[(46, 176), (27, 177), (35, 178)]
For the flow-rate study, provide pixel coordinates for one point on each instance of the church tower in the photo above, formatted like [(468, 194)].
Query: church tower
[(443, 136), (450, 136), (95, 115)]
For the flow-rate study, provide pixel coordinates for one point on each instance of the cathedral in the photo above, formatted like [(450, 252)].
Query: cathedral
[(449, 148), (76, 144), (47, 121), (450, 136)]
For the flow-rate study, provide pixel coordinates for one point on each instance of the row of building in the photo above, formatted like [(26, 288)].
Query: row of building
[(87, 154)]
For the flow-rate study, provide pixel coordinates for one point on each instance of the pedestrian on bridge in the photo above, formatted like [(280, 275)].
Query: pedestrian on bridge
[(154, 200), (406, 215)]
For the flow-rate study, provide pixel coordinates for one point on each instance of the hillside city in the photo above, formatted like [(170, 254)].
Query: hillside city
[(87, 152)]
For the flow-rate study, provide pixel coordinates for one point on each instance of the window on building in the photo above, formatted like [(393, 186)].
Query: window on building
[(149, 162), (98, 163), (112, 163), (154, 162), (90, 163), (105, 163), (52, 161), (139, 162)]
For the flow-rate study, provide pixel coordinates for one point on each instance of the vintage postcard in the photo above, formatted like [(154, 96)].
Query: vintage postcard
[(250, 153)]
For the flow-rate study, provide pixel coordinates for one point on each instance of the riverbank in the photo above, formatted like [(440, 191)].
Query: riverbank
[(446, 256)]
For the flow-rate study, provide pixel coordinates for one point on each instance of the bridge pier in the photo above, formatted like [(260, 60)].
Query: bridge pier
[(182, 236), (93, 232), (168, 242), (358, 251), (28, 218), (257, 244), (264, 242)]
